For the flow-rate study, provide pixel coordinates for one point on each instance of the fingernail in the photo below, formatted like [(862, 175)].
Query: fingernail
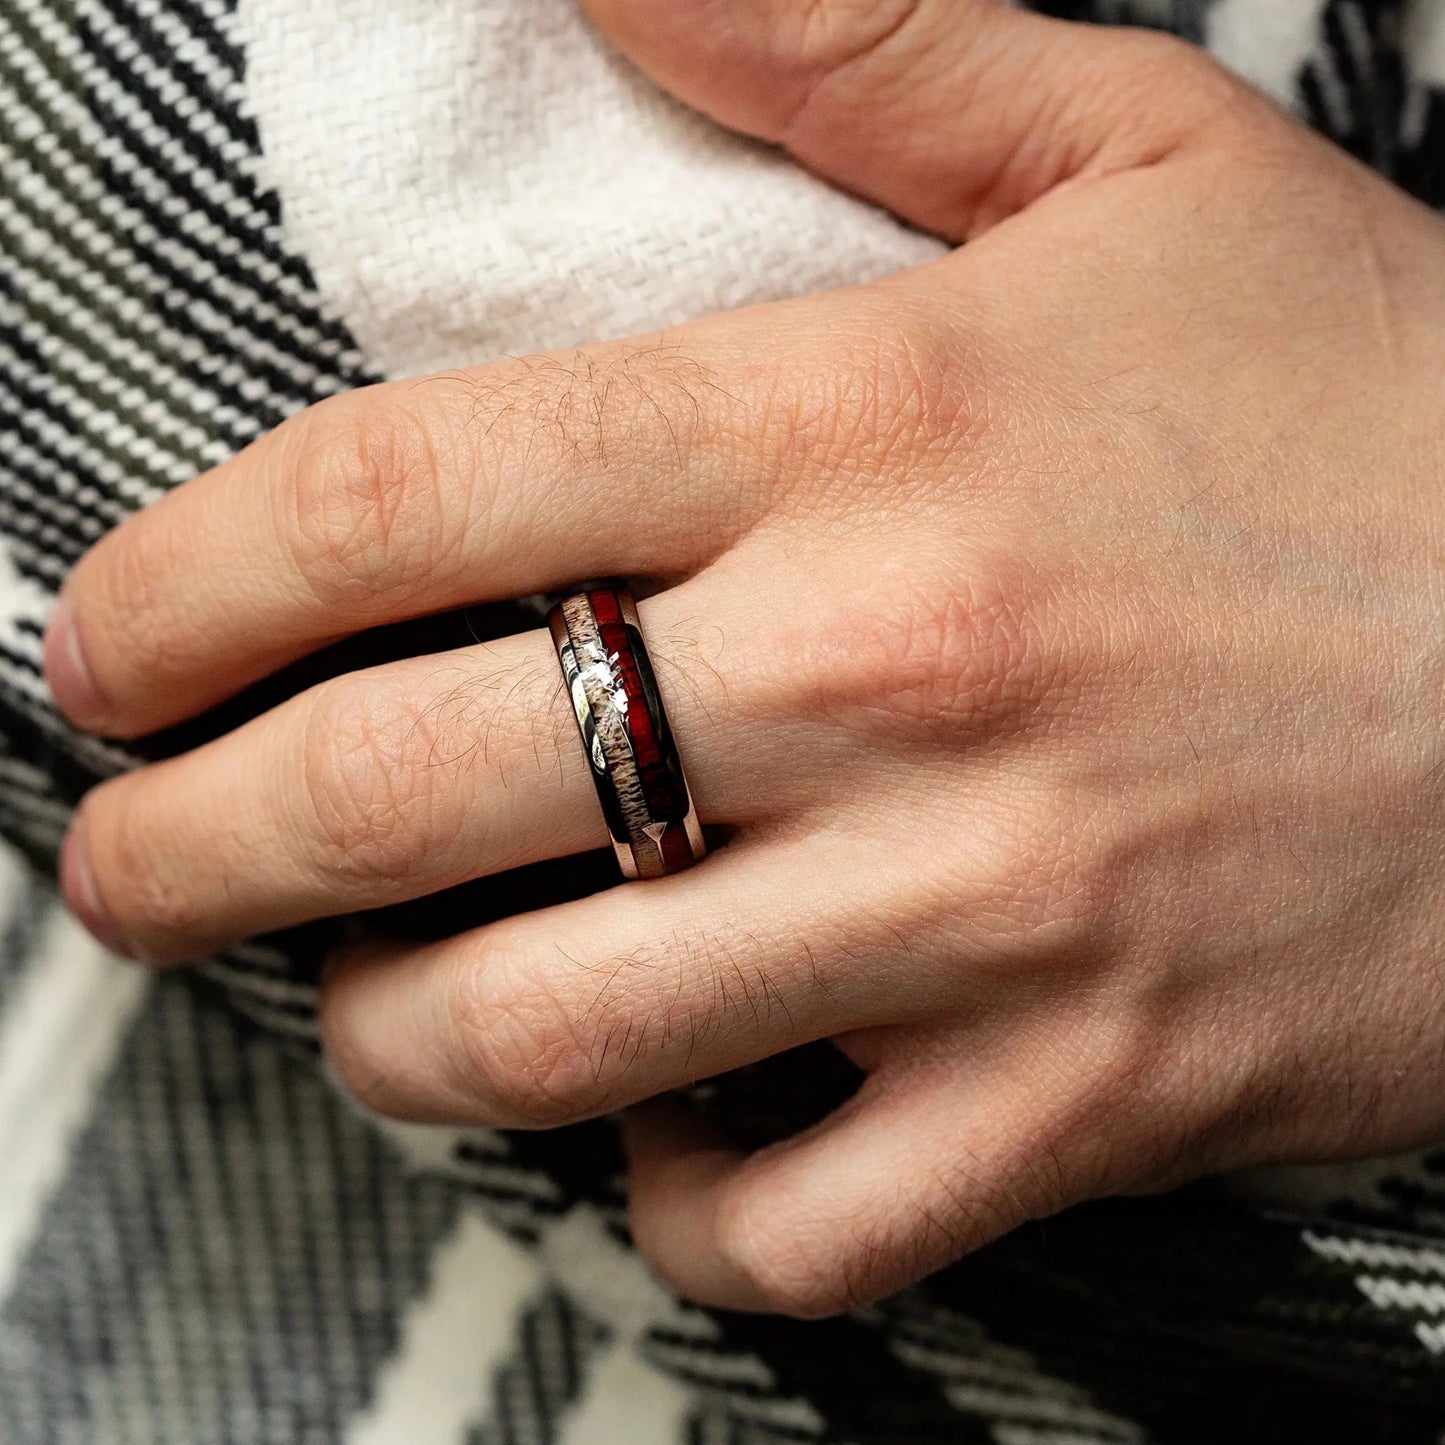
[(68, 672), (82, 896)]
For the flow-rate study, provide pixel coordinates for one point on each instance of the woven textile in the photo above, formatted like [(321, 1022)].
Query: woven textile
[(215, 212)]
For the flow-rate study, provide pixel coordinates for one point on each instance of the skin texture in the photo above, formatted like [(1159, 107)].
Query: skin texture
[(1058, 627)]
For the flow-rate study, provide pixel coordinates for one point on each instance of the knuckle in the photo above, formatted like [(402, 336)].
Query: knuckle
[(367, 514), (958, 651), (926, 382), (515, 1049), (890, 397), (1033, 881), (367, 793), (939, 656)]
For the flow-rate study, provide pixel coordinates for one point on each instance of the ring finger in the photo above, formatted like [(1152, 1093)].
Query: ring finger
[(384, 785)]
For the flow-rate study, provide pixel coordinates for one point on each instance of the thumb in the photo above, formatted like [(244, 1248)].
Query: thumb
[(951, 113)]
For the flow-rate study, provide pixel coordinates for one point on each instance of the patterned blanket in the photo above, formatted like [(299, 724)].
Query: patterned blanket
[(214, 212)]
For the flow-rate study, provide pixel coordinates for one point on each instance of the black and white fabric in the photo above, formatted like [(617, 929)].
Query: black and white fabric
[(215, 212)]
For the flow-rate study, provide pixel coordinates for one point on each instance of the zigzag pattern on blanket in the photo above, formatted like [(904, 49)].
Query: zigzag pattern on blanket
[(152, 320)]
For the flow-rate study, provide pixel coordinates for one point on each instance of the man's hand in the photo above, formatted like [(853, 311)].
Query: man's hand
[(1058, 628)]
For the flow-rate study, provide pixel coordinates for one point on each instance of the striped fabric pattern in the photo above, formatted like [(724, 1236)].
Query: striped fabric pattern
[(202, 1241)]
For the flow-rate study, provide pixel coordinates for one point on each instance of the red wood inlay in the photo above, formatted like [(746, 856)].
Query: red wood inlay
[(657, 783)]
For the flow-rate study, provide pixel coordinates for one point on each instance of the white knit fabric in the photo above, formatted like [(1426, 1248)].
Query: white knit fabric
[(471, 178), (1266, 40)]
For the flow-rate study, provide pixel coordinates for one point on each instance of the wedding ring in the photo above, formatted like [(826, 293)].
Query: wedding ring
[(630, 749)]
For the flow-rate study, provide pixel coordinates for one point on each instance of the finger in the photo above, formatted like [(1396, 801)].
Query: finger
[(953, 113), (376, 787), (916, 1170), (407, 498), (578, 1009), (388, 784)]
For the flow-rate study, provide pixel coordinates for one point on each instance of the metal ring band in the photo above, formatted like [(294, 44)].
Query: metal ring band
[(629, 745)]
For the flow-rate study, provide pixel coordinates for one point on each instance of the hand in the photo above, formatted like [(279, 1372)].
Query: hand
[(1057, 628)]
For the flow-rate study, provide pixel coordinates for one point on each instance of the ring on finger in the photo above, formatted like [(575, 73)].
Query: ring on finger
[(630, 748)]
